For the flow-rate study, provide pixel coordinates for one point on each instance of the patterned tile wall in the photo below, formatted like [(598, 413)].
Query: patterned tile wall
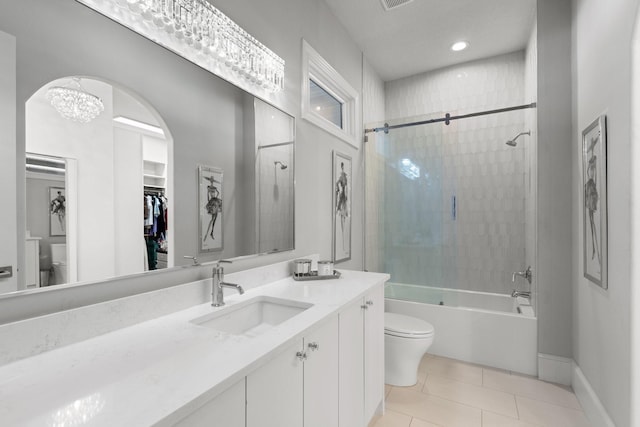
[(468, 160), (275, 195), (531, 160), (373, 116)]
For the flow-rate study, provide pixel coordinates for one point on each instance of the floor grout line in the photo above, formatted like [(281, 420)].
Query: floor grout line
[(517, 408)]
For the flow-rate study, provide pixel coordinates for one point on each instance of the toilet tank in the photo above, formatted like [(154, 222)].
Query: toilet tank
[(59, 252)]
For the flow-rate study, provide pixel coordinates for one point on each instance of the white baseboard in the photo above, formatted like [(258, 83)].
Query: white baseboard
[(593, 408), (562, 370), (555, 369)]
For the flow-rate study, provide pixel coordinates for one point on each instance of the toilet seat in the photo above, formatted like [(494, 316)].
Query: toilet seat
[(398, 325)]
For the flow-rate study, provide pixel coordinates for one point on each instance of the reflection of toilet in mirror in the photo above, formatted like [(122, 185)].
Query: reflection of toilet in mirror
[(59, 263)]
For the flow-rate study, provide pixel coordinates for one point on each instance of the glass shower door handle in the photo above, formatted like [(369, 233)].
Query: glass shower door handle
[(454, 208)]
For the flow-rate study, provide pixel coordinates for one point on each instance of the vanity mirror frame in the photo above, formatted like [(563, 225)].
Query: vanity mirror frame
[(32, 81)]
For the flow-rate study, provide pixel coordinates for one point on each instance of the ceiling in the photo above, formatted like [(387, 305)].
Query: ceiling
[(416, 37)]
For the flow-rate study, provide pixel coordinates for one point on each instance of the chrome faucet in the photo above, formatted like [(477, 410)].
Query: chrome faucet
[(525, 294), (217, 295), (527, 274)]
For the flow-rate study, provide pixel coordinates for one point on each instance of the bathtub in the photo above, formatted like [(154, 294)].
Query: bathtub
[(489, 329)]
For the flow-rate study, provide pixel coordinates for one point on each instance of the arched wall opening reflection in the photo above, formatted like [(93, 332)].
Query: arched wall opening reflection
[(98, 194)]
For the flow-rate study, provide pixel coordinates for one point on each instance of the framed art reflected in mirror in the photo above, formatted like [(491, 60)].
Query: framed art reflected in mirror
[(210, 199), (57, 211)]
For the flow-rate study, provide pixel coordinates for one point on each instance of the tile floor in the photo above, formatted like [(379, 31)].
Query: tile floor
[(450, 393)]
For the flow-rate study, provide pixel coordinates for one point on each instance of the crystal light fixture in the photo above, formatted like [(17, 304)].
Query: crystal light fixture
[(197, 31), (73, 102)]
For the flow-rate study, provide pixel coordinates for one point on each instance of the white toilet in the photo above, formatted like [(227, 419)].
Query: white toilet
[(59, 262), (406, 340)]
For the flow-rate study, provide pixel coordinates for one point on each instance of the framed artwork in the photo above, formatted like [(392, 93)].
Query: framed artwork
[(210, 198), (57, 212), (341, 187), (594, 208)]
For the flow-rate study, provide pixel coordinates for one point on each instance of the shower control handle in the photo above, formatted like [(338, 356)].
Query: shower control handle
[(301, 355), (369, 302), (313, 346), (364, 307), (527, 275)]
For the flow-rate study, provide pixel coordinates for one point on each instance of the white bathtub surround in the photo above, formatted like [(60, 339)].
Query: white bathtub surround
[(555, 369), (472, 326), (160, 370)]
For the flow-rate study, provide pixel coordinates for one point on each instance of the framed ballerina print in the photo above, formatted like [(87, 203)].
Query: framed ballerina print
[(210, 199), (594, 207)]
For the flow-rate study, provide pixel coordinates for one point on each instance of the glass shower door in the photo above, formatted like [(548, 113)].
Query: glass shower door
[(406, 205)]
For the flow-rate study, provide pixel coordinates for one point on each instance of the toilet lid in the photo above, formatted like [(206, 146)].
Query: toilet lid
[(400, 325)]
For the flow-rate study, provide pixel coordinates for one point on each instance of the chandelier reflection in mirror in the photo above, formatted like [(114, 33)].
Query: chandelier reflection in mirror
[(197, 31), (73, 102)]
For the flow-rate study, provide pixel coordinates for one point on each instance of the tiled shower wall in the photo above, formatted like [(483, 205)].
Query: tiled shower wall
[(469, 160), (275, 198), (373, 116)]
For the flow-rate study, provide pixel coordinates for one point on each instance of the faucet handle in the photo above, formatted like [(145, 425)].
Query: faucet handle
[(527, 274), (218, 268), (195, 259)]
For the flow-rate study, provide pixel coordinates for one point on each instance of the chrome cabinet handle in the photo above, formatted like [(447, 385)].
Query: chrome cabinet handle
[(313, 346), (6, 272), (301, 355)]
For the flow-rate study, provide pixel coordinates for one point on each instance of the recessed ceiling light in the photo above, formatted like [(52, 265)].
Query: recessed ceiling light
[(458, 46)]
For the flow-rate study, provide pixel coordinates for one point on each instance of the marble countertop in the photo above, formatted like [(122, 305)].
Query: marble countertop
[(158, 371)]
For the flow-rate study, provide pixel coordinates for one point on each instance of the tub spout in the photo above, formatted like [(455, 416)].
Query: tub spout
[(525, 294)]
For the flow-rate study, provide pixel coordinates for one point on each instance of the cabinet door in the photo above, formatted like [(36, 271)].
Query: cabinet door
[(373, 352), (351, 391), (321, 376), (225, 410), (274, 391)]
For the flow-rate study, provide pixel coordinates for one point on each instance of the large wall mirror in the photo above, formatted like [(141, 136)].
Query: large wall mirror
[(87, 185)]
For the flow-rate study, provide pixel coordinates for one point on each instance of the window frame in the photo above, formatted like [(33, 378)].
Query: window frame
[(316, 68)]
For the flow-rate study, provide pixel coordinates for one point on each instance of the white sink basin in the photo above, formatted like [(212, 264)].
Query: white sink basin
[(252, 317)]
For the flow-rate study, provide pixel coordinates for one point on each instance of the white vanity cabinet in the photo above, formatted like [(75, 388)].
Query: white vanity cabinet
[(321, 376), (362, 359), (274, 391), (225, 410), (373, 352), (300, 386)]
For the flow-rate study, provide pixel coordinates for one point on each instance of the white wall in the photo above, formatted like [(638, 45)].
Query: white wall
[(554, 178), (128, 211), (8, 223), (635, 224), (601, 54)]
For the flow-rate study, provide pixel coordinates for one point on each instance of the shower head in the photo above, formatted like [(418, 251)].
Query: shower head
[(282, 165), (513, 143)]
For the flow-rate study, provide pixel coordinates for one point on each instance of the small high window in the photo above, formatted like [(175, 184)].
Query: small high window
[(325, 104), (328, 101)]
